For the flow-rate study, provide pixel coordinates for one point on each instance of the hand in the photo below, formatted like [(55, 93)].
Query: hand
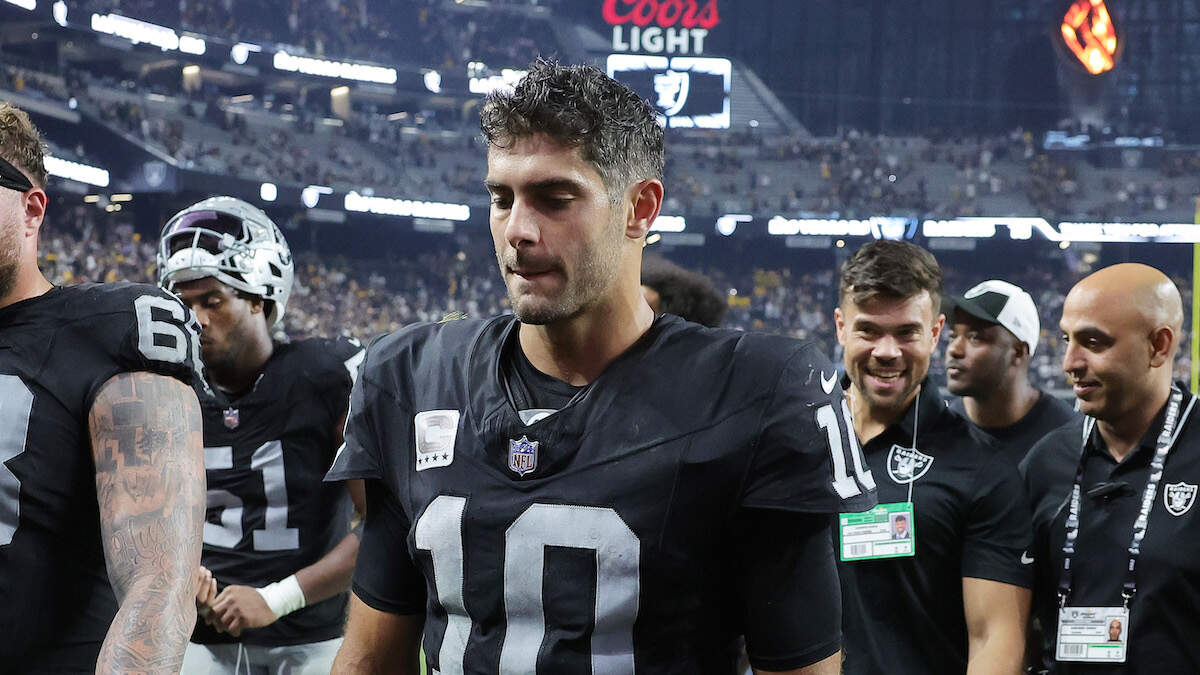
[(237, 608), (206, 591)]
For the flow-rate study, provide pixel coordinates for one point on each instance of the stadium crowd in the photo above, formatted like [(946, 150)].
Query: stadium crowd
[(337, 295)]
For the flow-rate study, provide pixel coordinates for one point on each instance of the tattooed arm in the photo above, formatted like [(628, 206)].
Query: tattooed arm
[(147, 442)]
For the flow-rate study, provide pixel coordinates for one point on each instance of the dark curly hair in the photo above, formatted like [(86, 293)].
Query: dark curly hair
[(21, 144), (683, 293), (896, 270), (580, 106)]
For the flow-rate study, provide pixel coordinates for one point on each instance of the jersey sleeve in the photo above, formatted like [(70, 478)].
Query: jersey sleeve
[(141, 328), (342, 359), (807, 458), (385, 576), (999, 529), (374, 419), (789, 584)]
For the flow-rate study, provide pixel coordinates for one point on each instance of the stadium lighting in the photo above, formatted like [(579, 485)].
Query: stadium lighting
[(669, 224), (653, 239), (1064, 245), (406, 207), (433, 81), (340, 91), (24, 4), (59, 9), (397, 116), (727, 224), (1088, 33), (268, 192), (359, 72), (192, 69), (91, 199), (121, 197), (76, 171), (311, 195), (138, 32), (240, 52)]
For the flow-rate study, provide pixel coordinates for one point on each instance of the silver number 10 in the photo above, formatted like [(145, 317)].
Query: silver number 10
[(618, 556), (845, 485)]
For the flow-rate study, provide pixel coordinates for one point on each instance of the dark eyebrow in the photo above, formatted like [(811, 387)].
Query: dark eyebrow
[(1089, 332), (547, 185), (866, 323)]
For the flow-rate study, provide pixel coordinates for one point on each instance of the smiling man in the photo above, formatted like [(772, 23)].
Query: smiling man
[(993, 333), (618, 492), (1104, 537), (951, 597)]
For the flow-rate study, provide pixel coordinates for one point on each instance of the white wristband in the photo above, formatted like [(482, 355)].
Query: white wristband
[(284, 596)]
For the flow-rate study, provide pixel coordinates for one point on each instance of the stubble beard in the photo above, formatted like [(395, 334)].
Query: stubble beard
[(10, 261), (588, 281)]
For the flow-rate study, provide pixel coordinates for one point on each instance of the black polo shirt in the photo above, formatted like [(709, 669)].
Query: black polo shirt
[(1016, 440), (1164, 621), (905, 615)]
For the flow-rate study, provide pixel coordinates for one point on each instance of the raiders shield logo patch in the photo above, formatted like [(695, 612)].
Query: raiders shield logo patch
[(436, 431), (1179, 497), (906, 465), (522, 456)]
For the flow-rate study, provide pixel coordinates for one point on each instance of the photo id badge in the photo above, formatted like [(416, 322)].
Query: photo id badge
[(885, 531), (1092, 634)]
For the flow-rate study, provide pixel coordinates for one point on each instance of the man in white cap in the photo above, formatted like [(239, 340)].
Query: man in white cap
[(994, 333)]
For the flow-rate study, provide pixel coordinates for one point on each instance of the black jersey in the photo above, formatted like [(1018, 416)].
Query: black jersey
[(596, 538), (1163, 618), (56, 351), (1017, 439), (971, 519), (265, 454)]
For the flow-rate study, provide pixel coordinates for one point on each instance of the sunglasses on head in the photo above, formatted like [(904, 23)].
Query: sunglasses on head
[(12, 178)]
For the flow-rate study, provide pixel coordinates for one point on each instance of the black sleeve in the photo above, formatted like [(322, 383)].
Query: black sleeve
[(807, 458), (142, 328), (999, 527), (789, 583), (385, 576)]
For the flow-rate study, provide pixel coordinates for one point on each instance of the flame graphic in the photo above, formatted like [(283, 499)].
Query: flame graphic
[(1088, 32)]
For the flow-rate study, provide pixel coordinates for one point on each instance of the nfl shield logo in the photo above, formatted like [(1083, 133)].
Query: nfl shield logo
[(522, 455), (1179, 497), (906, 465), (231, 418)]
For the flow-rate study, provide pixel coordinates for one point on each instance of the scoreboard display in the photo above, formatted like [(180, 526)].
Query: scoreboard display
[(688, 91)]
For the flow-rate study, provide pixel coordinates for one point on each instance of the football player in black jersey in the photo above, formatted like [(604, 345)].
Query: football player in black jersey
[(587, 487), (277, 538), (101, 483)]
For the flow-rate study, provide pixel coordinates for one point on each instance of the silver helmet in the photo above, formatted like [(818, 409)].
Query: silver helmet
[(226, 238)]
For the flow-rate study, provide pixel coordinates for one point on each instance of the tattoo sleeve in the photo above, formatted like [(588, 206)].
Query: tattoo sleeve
[(147, 442)]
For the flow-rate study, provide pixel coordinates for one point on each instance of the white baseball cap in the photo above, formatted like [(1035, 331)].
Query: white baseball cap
[(1002, 303)]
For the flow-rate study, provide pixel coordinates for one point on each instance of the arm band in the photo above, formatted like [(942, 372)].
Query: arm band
[(284, 596)]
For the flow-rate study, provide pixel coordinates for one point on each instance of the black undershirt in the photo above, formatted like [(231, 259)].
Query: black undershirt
[(531, 388)]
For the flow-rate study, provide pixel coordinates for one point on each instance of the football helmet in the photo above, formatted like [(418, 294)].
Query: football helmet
[(238, 244)]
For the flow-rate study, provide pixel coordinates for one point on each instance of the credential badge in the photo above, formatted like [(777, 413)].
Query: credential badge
[(522, 455), (906, 465), (231, 418), (1179, 497), (436, 431)]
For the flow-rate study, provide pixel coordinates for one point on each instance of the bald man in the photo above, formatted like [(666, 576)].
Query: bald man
[(1115, 492)]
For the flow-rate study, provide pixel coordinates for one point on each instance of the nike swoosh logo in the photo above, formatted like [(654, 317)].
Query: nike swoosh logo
[(1025, 559), (827, 385)]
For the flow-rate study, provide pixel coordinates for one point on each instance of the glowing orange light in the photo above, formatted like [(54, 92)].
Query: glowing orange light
[(1088, 31)]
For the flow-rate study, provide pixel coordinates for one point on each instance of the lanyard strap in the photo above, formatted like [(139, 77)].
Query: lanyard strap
[(1162, 447)]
